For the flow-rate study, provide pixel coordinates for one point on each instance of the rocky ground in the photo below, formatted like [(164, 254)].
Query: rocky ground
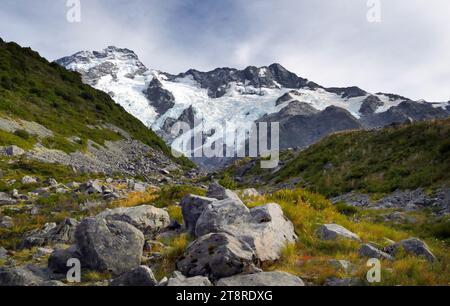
[(213, 239)]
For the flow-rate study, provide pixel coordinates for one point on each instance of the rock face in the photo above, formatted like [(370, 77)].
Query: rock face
[(62, 233), (141, 276), (370, 251), (108, 245), (217, 256), (271, 279), (302, 125), (335, 231), (192, 207), (412, 246), (160, 98), (146, 218), (179, 280)]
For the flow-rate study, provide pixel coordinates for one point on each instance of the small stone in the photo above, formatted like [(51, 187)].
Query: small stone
[(29, 180), (179, 280), (370, 251), (335, 231), (14, 151), (7, 222)]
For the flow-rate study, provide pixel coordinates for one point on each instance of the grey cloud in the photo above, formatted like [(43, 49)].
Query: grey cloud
[(329, 42)]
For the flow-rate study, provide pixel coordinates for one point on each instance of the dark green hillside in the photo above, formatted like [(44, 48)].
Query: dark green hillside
[(33, 89), (379, 161)]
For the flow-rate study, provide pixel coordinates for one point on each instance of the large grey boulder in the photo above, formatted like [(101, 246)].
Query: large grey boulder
[(266, 279), (412, 246), (217, 255), (14, 151), (220, 215), (179, 280), (192, 206), (141, 276), (335, 231), (370, 251), (108, 245), (57, 262), (219, 192), (63, 233), (265, 229), (146, 218), (22, 276)]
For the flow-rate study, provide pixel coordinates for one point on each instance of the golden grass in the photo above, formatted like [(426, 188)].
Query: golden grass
[(137, 198), (309, 257)]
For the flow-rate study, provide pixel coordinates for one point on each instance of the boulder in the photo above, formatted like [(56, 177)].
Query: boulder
[(265, 228), (216, 191), (3, 253), (140, 187), (57, 262), (14, 151), (217, 255), (263, 279), (93, 187), (343, 265), (141, 276), (63, 233), (109, 245), (411, 246), (146, 218), (370, 251), (220, 215), (249, 192), (179, 280), (192, 207), (22, 276), (51, 182), (335, 231), (5, 199), (7, 222), (28, 180)]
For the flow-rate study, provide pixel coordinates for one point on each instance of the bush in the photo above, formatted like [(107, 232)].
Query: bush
[(22, 134), (346, 209)]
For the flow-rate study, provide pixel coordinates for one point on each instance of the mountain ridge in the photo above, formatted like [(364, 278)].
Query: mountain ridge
[(159, 99)]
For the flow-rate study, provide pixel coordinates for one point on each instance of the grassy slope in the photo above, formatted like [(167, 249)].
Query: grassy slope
[(378, 161), (33, 89)]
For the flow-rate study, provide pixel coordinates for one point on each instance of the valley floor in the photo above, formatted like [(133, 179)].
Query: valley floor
[(39, 215)]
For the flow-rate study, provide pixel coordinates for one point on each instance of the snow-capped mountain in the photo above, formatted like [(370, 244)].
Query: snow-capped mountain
[(306, 111)]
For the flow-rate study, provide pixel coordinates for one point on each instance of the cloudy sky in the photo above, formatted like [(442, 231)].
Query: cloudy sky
[(328, 41)]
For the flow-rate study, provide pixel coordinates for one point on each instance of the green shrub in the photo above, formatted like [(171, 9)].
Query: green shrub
[(346, 209)]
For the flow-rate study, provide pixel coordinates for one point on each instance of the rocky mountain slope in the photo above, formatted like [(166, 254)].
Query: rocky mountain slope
[(271, 94), (48, 114), (80, 178)]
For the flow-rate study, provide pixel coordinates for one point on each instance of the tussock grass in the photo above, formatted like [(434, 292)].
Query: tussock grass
[(309, 257)]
